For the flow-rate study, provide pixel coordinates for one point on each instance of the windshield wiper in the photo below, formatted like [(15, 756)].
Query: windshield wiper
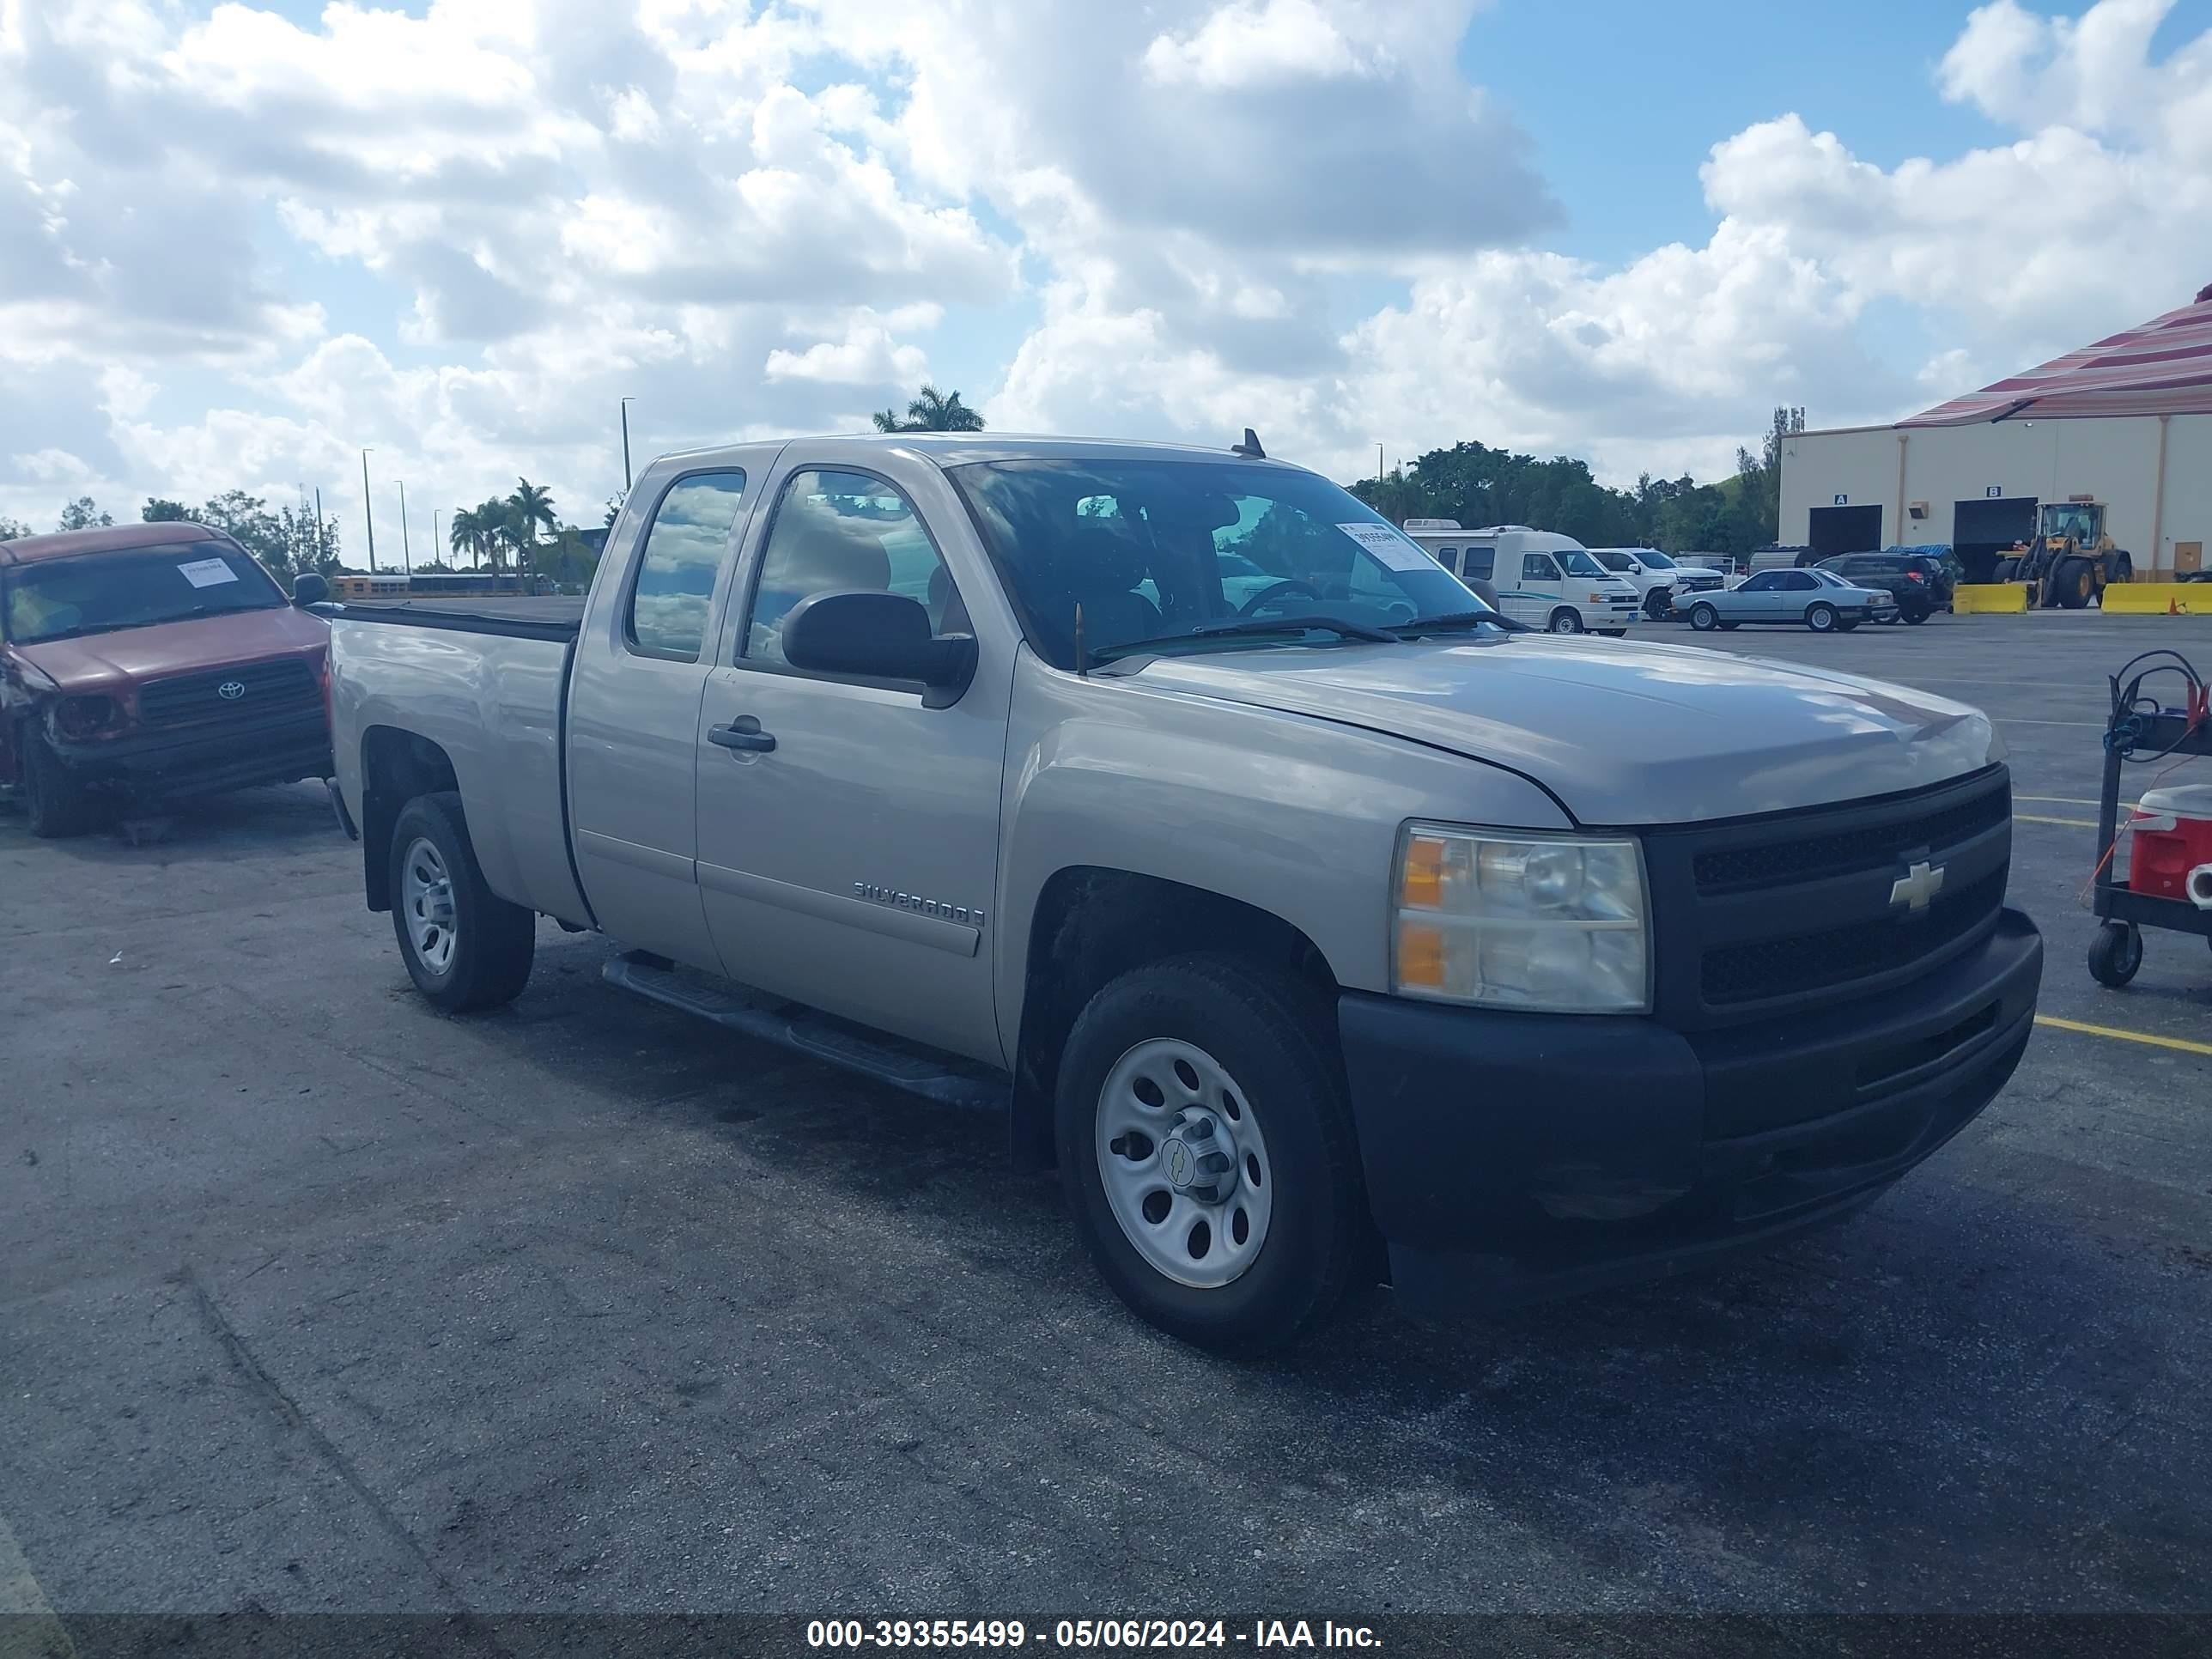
[(1460, 621), (1252, 626)]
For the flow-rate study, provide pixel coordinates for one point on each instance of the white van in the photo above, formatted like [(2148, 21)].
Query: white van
[(1546, 580)]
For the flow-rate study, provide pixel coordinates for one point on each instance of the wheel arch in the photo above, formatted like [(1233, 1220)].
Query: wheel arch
[(397, 765), (1091, 924)]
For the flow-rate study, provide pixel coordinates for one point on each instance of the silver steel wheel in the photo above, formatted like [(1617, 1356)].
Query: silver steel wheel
[(1183, 1163), (426, 898)]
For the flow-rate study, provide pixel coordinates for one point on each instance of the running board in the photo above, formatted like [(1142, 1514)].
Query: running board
[(809, 1031)]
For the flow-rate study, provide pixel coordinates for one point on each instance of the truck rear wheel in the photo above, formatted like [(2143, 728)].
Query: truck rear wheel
[(1208, 1153), (465, 947)]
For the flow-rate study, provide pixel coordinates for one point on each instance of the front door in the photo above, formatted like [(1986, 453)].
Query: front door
[(1536, 593), (848, 836)]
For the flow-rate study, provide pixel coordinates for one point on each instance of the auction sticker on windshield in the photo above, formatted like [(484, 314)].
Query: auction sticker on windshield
[(1388, 545), (206, 573)]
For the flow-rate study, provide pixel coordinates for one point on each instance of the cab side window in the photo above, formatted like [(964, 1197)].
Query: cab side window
[(676, 569), (1480, 560), (1765, 582), (841, 532)]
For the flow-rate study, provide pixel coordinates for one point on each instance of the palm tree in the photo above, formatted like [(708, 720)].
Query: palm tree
[(936, 412), (531, 505), (465, 533), (494, 522), (886, 420)]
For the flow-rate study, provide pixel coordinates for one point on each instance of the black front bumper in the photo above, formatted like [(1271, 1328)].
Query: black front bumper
[(1515, 1157), (206, 759)]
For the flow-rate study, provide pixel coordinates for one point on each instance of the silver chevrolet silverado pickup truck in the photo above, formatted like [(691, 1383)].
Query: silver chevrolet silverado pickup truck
[(1317, 922)]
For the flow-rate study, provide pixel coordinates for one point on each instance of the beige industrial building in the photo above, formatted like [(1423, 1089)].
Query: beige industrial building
[(2126, 422)]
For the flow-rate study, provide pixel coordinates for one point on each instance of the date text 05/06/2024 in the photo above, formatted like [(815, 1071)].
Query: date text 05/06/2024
[(1275, 1635)]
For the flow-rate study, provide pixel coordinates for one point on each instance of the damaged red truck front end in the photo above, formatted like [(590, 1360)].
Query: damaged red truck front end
[(148, 662)]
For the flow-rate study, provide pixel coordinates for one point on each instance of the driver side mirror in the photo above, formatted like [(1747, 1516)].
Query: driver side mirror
[(308, 588), (878, 636)]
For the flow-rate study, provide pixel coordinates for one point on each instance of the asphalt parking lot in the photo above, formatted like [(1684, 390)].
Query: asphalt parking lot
[(311, 1299)]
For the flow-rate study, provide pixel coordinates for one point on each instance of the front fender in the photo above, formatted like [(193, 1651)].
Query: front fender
[(1294, 815)]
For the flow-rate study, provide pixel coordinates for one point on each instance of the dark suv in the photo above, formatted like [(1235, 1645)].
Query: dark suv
[(1921, 583)]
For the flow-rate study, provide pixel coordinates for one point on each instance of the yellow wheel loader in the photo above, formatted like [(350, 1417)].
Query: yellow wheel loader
[(2070, 560)]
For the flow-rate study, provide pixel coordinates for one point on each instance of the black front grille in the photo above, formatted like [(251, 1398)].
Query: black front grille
[(1757, 917), (1799, 962), (249, 691), (1871, 847)]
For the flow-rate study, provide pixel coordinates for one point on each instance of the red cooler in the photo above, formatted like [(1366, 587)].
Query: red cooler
[(2171, 830)]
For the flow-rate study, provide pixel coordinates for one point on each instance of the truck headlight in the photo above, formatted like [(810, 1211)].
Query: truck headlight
[(1556, 924)]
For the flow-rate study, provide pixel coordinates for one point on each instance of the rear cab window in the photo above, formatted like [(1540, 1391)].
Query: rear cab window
[(679, 564)]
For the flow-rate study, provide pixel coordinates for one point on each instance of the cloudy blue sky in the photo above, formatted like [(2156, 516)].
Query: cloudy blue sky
[(238, 243)]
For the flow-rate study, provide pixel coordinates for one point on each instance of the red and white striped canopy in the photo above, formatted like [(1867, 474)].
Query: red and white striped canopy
[(2162, 367)]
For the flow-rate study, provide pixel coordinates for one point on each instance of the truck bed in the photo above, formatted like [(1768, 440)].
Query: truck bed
[(552, 617)]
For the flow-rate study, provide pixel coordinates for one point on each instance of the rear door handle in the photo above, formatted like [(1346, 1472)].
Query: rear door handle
[(743, 732)]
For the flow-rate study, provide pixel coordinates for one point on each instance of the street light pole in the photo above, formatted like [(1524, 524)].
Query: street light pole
[(367, 512), (626, 402), (406, 554)]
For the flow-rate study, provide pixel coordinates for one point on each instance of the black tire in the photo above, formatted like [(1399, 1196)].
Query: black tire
[(55, 803), (1270, 1033), (1917, 616), (1658, 604), (1704, 618), (1565, 620), (1846, 627), (2115, 954), (1820, 619), (491, 941), (2075, 582), (1613, 632), (1730, 627)]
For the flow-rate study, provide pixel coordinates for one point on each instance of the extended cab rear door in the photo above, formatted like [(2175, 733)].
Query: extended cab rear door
[(642, 659), (848, 836)]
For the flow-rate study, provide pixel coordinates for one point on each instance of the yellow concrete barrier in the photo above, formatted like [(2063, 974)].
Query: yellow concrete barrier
[(1990, 597), (2159, 598)]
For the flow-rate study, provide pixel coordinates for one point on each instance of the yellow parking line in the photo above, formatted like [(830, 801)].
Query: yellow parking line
[(2073, 823), (27, 1625), (2182, 1043)]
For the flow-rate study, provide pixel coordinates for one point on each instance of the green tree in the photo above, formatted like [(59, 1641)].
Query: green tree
[(464, 533), (81, 514), (158, 510), (10, 529), (247, 520), (530, 505), (932, 410)]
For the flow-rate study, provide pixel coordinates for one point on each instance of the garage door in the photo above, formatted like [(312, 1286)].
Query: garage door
[(1845, 530), (1983, 531)]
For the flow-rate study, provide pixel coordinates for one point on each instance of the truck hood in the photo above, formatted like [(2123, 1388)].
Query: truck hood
[(1621, 732), (105, 662)]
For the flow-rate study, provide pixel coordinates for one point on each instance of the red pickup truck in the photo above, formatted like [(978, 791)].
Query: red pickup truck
[(151, 661)]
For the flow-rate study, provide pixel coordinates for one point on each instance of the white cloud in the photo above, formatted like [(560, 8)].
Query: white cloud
[(1255, 45), (236, 248)]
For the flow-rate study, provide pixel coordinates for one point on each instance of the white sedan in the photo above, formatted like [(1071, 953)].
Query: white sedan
[(1815, 598)]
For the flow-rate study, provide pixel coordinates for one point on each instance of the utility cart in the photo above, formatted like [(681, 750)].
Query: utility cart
[(2117, 952)]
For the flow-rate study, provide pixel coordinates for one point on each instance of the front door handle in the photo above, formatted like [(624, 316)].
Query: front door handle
[(743, 732)]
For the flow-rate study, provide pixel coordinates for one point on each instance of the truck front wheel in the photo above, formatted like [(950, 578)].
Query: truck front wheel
[(465, 946), (1208, 1151), (55, 803)]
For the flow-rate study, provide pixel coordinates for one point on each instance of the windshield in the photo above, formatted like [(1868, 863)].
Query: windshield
[(1575, 563), (101, 593), (1654, 560), (1157, 550)]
